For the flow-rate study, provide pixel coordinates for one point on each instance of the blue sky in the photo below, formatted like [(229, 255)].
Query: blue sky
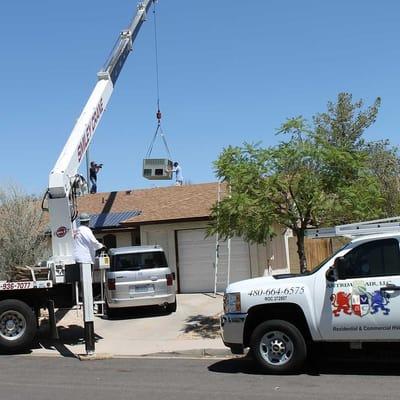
[(230, 71)]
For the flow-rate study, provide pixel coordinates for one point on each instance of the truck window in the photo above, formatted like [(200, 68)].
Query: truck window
[(377, 258)]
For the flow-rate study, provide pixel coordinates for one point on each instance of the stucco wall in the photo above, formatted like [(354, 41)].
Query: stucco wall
[(274, 253), (164, 235), (122, 238)]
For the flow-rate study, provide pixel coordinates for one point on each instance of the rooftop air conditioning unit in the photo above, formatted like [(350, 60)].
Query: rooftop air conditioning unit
[(157, 168)]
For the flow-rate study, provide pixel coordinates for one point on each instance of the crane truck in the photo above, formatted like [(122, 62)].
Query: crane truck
[(21, 301)]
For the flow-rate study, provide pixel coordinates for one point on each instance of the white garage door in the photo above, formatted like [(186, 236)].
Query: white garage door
[(197, 258)]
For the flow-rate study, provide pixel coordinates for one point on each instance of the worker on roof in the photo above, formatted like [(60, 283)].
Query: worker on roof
[(178, 174), (94, 169)]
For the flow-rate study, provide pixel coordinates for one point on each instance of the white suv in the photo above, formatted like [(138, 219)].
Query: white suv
[(139, 276)]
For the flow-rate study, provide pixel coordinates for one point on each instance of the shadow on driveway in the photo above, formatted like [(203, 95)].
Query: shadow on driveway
[(203, 326)]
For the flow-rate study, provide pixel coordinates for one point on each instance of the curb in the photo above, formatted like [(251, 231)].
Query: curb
[(197, 353), (192, 353)]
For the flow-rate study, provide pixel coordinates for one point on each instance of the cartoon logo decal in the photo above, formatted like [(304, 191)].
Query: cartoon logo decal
[(379, 301), (360, 302), (341, 302)]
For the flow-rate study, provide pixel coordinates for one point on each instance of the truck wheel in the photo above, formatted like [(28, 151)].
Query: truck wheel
[(17, 325), (278, 346)]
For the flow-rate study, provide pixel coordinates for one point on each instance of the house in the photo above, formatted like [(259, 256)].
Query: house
[(176, 217)]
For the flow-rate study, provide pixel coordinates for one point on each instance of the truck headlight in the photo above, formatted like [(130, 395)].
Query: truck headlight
[(232, 303)]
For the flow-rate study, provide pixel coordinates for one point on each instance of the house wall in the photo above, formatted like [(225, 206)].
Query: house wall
[(275, 251), (164, 235), (123, 238), (273, 254), (273, 257)]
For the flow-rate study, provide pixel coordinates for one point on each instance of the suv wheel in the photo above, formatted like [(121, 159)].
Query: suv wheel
[(109, 312), (278, 346), (171, 307)]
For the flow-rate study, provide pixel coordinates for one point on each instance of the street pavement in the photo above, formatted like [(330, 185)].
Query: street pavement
[(193, 330), (49, 378)]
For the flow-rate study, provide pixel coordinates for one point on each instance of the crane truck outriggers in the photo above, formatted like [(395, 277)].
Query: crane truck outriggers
[(21, 301)]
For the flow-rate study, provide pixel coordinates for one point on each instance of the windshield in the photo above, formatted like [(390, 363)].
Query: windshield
[(136, 261)]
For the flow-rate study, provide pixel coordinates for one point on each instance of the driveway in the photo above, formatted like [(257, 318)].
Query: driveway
[(192, 330)]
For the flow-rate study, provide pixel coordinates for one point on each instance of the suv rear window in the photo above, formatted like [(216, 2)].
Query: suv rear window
[(136, 261)]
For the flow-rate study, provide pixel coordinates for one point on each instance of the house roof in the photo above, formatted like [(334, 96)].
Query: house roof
[(172, 203)]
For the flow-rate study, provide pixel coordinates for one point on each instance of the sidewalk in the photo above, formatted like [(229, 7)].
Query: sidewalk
[(193, 330)]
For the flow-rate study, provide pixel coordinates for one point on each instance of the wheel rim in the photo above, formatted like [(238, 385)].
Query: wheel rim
[(12, 325), (276, 348)]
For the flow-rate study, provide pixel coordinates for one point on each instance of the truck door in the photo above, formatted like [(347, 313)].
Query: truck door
[(365, 303)]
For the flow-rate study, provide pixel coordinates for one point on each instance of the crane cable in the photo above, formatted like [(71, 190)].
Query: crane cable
[(158, 114)]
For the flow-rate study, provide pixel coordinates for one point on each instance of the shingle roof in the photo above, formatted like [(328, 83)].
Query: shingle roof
[(170, 203)]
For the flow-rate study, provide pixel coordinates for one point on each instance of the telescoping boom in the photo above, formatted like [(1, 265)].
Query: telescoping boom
[(64, 182)]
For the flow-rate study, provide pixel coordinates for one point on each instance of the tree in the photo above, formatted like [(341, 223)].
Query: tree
[(384, 163), (320, 175), (344, 122), (22, 239)]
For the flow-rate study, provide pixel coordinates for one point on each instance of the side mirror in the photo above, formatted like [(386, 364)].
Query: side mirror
[(331, 274)]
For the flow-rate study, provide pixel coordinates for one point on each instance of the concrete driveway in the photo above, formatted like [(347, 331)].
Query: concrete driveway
[(193, 330)]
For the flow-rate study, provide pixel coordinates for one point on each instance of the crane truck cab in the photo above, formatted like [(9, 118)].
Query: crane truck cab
[(352, 297)]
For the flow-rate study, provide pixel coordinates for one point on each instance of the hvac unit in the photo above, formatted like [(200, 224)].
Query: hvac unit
[(157, 168)]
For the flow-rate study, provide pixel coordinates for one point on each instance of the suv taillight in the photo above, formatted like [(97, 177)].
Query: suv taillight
[(111, 284), (170, 279)]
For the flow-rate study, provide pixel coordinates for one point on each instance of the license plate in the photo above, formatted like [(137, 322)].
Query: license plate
[(144, 288)]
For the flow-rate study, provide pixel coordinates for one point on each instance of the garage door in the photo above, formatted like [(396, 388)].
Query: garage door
[(197, 257)]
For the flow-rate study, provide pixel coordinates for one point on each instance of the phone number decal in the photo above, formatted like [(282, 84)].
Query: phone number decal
[(15, 285), (291, 290)]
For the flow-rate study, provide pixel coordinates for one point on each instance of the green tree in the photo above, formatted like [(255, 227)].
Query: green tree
[(311, 179), (344, 122), (384, 162)]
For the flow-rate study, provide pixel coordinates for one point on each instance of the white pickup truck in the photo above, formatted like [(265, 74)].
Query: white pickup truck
[(352, 297)]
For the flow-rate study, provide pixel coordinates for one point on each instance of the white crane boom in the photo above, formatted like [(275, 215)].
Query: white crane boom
[(63, 179)]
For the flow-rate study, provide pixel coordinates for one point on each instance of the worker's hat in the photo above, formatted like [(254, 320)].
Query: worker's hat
[(84, 217)]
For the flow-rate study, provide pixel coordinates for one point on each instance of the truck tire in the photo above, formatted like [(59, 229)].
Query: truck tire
[(17, 326), (278, 347)]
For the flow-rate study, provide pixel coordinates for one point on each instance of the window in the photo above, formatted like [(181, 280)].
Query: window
[(110, 241), (136, 261), (135, 237), (377, 258)]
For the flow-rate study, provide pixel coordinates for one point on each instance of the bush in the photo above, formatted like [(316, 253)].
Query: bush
[(22, 228)]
